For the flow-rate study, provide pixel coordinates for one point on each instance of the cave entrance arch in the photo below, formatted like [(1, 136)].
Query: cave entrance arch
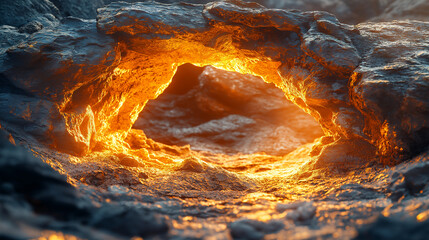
[(305, 62)]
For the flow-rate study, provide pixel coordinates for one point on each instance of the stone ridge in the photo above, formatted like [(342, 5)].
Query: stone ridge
[(365, 84)]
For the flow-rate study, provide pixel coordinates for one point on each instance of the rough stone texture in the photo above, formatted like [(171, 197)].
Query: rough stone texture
[(410, 180), (356, 11), (10, 36), (347, 11), (72, 44), (20, 12), (34, 197), (78, 8), (36, 201), (46, 12), (342, 75), (389, 87), (72, 81)]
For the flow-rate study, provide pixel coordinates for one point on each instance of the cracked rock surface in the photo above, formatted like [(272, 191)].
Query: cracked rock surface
[(360, 82), (72, 87)]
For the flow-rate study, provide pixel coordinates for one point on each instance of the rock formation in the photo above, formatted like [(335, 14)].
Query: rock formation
[(84, 83), (72, 89)]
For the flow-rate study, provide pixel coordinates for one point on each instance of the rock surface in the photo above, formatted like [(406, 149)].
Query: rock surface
[(36, 201), (79, 85), (340, 74), (21, 12), (35, 197)]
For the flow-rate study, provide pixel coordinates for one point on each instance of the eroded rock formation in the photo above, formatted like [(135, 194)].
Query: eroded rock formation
[(84, 83), (78, 88)]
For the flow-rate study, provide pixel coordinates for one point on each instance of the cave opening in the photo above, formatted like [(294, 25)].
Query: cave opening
[(222, 112)]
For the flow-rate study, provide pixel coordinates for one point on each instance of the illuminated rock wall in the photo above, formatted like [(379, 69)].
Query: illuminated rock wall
[(365, 83)]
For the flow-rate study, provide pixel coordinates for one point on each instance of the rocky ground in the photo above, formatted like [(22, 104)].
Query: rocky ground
[(86, 153), (110, 202)]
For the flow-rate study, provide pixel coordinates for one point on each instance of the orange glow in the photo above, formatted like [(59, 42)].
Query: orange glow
[(142, 75), (99, 114), (423, 216), (51, 235)]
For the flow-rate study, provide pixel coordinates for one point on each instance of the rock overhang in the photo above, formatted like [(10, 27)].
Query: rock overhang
[(104, 73)]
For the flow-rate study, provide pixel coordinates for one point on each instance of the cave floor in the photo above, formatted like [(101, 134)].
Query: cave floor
[(212, 196)]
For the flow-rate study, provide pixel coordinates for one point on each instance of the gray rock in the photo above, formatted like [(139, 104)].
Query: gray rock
[(20, 12), (349, 192), (248, 229), (86, 9), (58, 44), (129, 222), (34, 182), (31, 27), (389, 87), (10, 36), (409, 180), (34, 197), (356, 11), (304, 212)]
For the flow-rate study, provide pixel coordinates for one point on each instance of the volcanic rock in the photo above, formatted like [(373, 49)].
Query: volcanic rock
[(356, 11)]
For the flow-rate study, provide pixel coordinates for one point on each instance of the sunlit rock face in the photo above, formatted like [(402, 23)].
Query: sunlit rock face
[(79, 87), (226, 112), (390, 85), (95, 77)]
